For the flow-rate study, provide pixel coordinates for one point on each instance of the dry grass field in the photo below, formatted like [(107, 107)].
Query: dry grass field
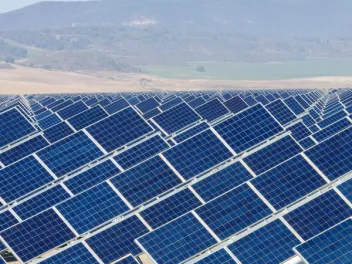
[(24, 80)]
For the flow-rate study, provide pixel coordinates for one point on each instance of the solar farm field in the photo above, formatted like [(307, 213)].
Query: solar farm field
[(230, 177)]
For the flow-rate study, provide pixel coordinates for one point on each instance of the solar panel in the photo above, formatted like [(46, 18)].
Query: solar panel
[(177, 240), (145, 181), (116, 106), (13, 126), (346, 189), (212, 110), (92, 208), (22, 177), (191, 132), (141, 152), (248, 128), (319, 214), (118, 240), (22, 150), (72, 110), (49, 121), (288, 182), (69, 154), (119, 129), (87, 117), (170, 104), (2, 247), (307, 143), (299, 131), (328, 121), (147, 105), (272, 155), (233, 211), (332, 246), (7, 219), (222, 181), (197, 154), (176, 118), (218, 257), (61, 106), (272, 243), (37, 235), (197, 102), (41, 202), (92, 177), (152, 113), (235, 104), (334, 155), (76, 254), (170, 208), (294, 105), (281, 112), (332, 129), (57, 132)]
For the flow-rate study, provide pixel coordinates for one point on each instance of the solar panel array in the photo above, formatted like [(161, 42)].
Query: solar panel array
[(182, 177)]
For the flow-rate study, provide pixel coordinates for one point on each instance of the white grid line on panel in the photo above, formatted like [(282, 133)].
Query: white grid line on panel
[(94, 141), (45, 166), (172, 167), (11, 250), (66, 189), (92, 252), (261, 197), (117, 165), (120, 195), (144, 222), (315, 167), (196, 194), (65, 221), (223, 141), (206, 226), (232, 255), (292, 230)]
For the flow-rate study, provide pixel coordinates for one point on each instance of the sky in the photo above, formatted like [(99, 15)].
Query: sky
[(9, 5)]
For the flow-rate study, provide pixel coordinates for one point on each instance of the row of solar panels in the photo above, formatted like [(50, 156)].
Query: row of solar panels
[(177, 165)]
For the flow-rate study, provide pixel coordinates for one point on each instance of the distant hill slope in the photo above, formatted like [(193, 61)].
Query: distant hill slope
[(302, 18)]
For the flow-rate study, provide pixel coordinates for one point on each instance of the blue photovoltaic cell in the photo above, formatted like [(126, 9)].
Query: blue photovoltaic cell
[(70, 153), (299, 131), (49, 121), (212, 110), (37, 235), (92, 208), (141, 152), (77, 254), (119, 129), (272, 243), (318, 215), (176, 118), (92, 101), (307, 143), (281, 112), (104, 102), (21, 178), (301, 101), (219, 257), (288, 182), (72, 110), (13, 126), (314, 128), (233, 211), (147, 105), (91, 177), (145, 181), (57, 132), (152, 113), (250, 101), (170, 104), (294, 105), (262, 99), (197, 102), (2, 248), (170, 208), (60, 101), (177, 241), (127, 260), (328, 121), (7, 220), (191, 132), (235, 104), (116, 106), (332, 129), (272, 155), (308, 120), (197, 154), (222, 181), (334, 155), (118, 241), (248, 128), (62, 105), (41, 202), (43, 114), (87, 117), (23, 150), (346, 189), (332, 246)]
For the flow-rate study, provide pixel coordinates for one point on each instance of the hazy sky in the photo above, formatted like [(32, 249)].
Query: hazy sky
[(8, 5)]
